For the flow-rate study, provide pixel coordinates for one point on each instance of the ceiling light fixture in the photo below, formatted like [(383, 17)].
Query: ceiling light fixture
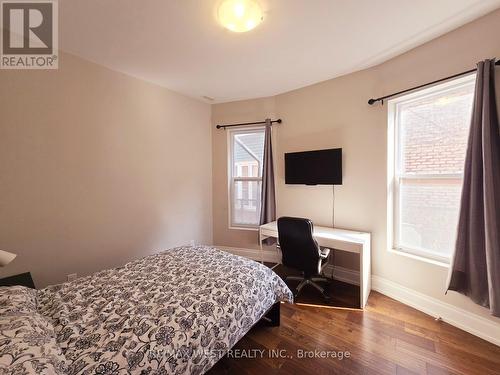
[(240, 15)]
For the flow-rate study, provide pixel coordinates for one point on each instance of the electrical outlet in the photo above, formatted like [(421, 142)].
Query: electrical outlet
[(192, 243), (72, 277)]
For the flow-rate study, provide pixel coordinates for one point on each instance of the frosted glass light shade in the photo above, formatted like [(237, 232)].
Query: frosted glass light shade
[(240, 15)]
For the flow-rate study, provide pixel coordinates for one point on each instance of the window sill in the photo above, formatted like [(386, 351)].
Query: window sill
[(420, 258), (253, 229)]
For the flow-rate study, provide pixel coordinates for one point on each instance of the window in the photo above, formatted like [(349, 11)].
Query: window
[(246, 150), (428, 133)]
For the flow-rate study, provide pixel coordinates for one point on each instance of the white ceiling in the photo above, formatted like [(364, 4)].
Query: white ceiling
[(179, 44)]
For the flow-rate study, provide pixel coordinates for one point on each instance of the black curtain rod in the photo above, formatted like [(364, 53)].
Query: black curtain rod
[(382, 98), (248, 123)]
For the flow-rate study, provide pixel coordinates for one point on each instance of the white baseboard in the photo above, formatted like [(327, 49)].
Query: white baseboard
[(339, 273), (463, 319), (266, 256), (343, 274)]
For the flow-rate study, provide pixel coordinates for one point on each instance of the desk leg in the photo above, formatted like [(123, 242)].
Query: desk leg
[(261, 248), (364, 274), (361, 281)]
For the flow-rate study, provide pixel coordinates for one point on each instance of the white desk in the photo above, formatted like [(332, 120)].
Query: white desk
[(337, 239)]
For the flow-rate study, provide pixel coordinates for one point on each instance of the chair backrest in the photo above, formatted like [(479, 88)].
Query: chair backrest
[(298, 246)]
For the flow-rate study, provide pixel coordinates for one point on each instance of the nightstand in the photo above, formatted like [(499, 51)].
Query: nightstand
[(23, 279)]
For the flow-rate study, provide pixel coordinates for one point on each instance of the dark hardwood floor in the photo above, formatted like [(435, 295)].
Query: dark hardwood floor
[(341, 294), (387, 338)]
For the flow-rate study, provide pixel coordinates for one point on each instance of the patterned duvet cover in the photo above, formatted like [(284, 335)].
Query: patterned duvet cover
[(176, 312)]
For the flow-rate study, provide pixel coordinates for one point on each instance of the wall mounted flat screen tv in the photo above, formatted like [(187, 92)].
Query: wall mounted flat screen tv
[(319, 167)]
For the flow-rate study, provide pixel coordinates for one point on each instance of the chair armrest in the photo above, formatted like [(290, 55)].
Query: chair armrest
[(324, 253)]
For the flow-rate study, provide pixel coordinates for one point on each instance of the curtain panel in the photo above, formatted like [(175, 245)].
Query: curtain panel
[(475, 267)]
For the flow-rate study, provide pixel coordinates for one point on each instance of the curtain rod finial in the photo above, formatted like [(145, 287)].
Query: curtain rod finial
[(371, 101), (278, 121)]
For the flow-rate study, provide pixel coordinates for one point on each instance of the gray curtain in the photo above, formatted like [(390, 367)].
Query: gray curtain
[(475, 269), (267, 198)]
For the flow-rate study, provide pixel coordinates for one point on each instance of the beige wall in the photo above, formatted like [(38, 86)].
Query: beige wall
[(335, 113), (97, 168)]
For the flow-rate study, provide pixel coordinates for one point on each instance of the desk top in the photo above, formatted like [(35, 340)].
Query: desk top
[(328, 233)]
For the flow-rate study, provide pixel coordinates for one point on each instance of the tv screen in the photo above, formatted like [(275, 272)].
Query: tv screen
[(320, 167)]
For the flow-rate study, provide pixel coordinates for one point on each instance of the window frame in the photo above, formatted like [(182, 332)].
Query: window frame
[(231, 179), (395, 177)]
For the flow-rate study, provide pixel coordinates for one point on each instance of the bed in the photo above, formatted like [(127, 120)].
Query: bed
[(176, 312)]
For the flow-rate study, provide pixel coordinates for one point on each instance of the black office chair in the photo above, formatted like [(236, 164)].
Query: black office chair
[(301, 251)]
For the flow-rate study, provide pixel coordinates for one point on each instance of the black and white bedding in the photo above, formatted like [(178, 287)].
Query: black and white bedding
[(176, 312)]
